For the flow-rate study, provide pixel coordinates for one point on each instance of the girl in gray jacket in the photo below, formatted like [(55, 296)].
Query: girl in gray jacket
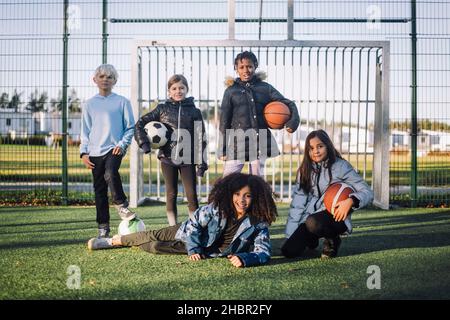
[(308, 220)]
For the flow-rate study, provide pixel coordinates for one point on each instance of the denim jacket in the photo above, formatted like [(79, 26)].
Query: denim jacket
[(251, 243), (303, 204)]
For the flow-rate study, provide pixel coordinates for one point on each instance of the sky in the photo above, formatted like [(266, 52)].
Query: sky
[(31, 45)]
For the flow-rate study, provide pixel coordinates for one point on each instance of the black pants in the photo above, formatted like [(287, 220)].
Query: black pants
[(316, 226), (188, 178), (106, 174), (156, 241)]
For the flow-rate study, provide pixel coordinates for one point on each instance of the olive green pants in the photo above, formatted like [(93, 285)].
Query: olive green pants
[(156, 241)]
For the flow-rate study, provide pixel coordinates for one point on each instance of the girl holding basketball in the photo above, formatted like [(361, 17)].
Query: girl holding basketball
[(185, 151), (244, 132), (308, 221), (234, 225)]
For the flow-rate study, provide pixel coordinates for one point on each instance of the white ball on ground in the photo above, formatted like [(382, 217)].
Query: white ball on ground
[(132, 226)]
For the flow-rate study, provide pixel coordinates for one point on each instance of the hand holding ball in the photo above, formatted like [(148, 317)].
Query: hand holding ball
[(276, 114), (157, 133), (336, 193)]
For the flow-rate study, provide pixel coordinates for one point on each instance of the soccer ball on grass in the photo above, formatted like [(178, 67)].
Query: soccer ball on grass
[(132, 226)]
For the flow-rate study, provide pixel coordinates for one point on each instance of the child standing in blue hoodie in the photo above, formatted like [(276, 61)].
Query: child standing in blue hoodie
[(107, 128)]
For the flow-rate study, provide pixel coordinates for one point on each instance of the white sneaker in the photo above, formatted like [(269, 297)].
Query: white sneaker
[(100, 243), (126, 214)]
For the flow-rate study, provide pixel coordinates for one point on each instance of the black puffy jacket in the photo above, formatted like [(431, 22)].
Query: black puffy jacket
[(176, 115), (242, 108)]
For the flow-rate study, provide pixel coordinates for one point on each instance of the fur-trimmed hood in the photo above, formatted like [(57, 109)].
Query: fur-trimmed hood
[(259, 76)]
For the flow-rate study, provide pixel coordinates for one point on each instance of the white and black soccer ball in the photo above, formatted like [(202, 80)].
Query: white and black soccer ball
[(157, 134)]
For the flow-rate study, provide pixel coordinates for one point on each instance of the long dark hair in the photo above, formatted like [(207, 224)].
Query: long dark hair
[(306, 168), (262, 207)]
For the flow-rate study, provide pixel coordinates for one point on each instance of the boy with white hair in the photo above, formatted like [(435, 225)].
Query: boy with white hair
[(107, 128)]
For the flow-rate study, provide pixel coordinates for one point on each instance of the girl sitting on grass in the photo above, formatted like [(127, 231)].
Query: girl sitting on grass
[(234, 225), (308, 220)]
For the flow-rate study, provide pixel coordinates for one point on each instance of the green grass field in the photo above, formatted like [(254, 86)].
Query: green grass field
[(43, 164), (38, 244)]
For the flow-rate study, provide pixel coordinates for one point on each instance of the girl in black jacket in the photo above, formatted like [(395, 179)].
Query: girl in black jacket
[(242, 111), (185, 123)]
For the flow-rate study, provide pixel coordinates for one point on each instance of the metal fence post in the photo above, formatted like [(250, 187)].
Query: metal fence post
[(290, 20), (105, 32), (231, 19), (64, 109), (413, 106)]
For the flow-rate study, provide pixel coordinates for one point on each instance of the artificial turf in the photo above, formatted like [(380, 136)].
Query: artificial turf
[(42, 246)]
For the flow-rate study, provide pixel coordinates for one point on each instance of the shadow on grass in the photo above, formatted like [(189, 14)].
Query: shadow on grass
[(371, 243), (41, 244), (424, 230), (113, 221), (41, 209), (386, 220), (45, 223), (41, 232)]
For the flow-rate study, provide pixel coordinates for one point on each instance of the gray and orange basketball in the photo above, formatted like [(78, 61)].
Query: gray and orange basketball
[(335, 193), (276, 114)]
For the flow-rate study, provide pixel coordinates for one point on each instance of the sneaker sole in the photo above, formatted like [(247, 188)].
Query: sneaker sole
[(90, 243), (128, 218), (325, 257)]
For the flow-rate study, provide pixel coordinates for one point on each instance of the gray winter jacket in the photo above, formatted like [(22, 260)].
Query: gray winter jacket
[(303, 204)]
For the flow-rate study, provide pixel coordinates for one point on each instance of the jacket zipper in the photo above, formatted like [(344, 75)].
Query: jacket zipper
[(318, 188), (178, 130)]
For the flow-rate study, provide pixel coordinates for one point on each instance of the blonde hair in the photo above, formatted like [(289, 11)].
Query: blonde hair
[(107, 69)]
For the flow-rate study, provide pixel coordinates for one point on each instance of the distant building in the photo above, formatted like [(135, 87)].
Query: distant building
[(400, 141), (16, 124), (26, 123), (435, 140), (427, 141), (51, 123)]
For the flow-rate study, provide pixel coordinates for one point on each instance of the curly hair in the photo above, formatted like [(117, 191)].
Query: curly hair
[(262, 207), (246, 55)]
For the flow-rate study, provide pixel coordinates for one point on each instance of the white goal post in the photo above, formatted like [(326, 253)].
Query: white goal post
[(340, 86)]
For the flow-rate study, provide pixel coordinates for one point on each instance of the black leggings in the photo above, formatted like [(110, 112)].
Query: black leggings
[(188, 178), (316, 226)]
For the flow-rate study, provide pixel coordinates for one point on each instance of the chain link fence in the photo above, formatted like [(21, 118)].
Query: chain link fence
[(38, 79)]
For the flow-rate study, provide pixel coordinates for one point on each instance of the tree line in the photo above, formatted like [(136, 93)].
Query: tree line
[(422, 124), (37, 102)]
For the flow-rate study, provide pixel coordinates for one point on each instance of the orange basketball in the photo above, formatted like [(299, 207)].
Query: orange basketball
[(335, 193), (276, 114)]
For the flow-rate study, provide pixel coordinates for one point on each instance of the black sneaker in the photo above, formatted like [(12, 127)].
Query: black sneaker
[(103, 231), (330, 247), (312, 244)]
